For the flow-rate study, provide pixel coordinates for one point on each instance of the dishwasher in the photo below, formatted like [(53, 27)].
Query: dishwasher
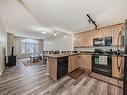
[(62, 67)]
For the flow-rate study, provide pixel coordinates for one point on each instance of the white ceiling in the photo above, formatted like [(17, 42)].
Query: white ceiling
[(28, 18)]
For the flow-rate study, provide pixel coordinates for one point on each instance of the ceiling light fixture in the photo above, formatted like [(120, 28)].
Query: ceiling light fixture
[(55, 34), (92, 21), (44, 32), (65, 36)]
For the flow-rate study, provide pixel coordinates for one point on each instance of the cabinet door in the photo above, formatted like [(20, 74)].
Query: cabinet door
[(82, 61), (73, 63), (76, 63), (83, 39), (116, 72), (115, 32), (106, 32), (88, 39), (70, 65), (79, 40), (52, 67), (86, 61), (97, 34)]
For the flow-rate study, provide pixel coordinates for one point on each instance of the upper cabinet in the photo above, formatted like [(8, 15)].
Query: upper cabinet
[(115, 32), (84, 39)]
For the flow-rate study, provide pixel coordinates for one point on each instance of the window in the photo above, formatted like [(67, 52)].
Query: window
[(29, 46)]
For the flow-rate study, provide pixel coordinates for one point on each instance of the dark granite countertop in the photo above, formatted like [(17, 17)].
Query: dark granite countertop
[(61, 55), (106, 54), (87, 53)]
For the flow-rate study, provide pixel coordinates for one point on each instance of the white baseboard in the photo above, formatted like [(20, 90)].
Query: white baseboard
[(2, 70)]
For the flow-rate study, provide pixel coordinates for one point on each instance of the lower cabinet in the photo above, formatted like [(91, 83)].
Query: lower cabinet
[(52, 68), (117, 66), (60, 66), (73, 62), (86, 61), (81, 60)]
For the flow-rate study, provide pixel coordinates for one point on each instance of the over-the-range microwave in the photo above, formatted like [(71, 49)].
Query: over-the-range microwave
[(105, 41)]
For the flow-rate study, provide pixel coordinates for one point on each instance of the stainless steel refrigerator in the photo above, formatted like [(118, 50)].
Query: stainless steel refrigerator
[(125, 62)]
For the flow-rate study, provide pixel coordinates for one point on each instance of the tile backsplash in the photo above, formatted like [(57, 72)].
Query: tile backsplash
[(114, 48)]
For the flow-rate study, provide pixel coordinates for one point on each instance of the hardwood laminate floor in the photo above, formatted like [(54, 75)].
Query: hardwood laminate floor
[(34, 80)]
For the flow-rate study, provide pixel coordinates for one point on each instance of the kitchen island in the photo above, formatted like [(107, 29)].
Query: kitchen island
[(61, 64)]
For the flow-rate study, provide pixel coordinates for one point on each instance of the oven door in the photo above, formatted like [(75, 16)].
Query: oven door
[(102, 64)]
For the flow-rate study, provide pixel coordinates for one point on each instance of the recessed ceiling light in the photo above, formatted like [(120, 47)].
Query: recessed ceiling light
[(44, 32)]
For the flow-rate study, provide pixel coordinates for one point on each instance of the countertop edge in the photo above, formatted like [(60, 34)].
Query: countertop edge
[(64, 55)]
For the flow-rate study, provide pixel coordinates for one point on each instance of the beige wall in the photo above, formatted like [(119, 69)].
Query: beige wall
[(10, 42), (18, 47), (59, 43), (3, 46)]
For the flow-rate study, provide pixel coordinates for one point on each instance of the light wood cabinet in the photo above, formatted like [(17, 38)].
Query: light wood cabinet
[(106, 32), (73, 62), (86, 61), (116, 72), (84, 39), (52, 65), (96, 34), (115, 32), (79, 40)]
